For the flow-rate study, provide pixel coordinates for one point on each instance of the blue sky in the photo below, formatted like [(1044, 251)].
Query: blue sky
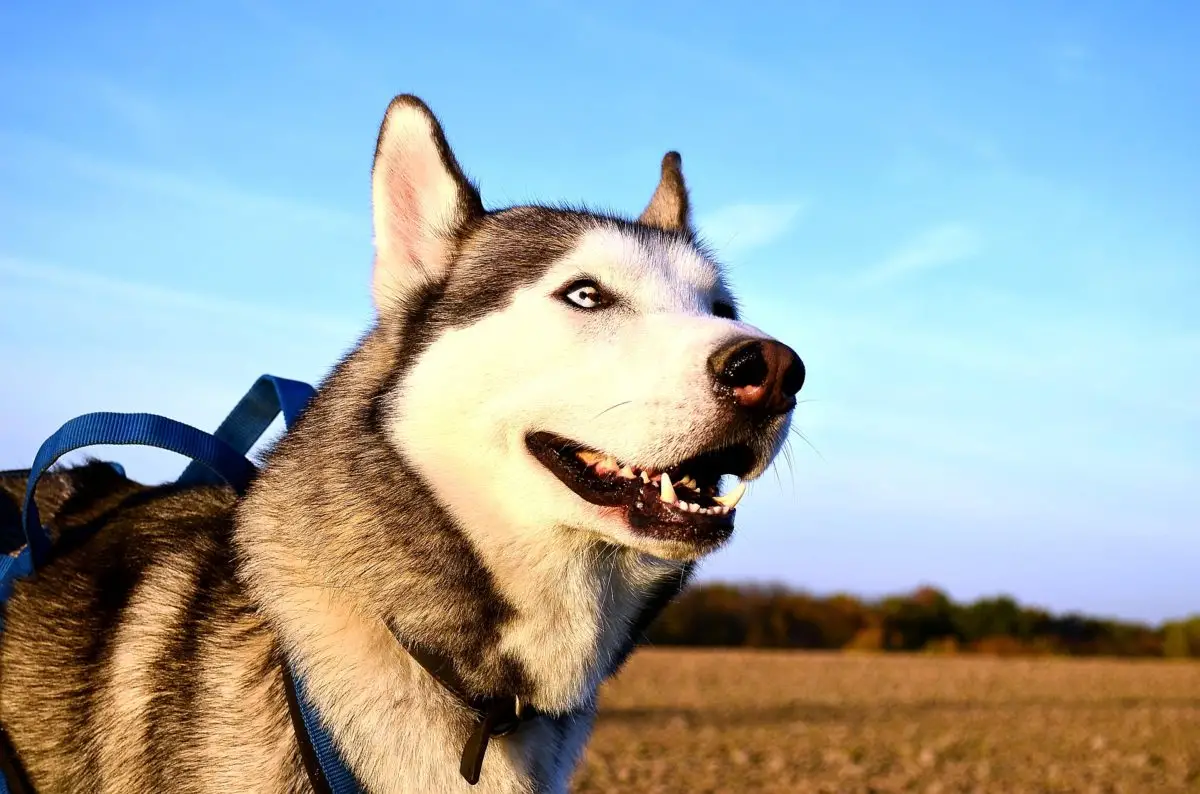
[(977, 223)]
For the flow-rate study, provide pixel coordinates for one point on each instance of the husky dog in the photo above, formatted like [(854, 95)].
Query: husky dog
[(515, 469)]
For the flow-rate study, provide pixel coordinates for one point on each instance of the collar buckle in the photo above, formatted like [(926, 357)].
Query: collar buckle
[(506, 716)]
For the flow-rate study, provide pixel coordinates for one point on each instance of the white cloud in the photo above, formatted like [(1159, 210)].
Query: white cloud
[(122, 293), (1070, 61), (738, 228), (936, 247), (195, 190), (137, 111)]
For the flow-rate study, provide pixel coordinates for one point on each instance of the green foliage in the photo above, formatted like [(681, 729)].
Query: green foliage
[(925, 620), (1181, 638)]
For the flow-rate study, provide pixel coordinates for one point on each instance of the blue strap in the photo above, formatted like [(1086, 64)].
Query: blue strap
[(116, 428), (253, 414), (338, 779), (112, 428), (13, 566)]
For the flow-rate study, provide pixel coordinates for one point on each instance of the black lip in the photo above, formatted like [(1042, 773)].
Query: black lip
[(646, 513)]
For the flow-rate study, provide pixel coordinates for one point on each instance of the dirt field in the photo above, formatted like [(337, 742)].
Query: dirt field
[(705, 721)]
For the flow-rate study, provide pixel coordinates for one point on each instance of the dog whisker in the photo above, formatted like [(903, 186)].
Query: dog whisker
[(804, 438), (609, 408)]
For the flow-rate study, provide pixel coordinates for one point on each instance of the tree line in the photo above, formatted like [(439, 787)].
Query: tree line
[(926, 619)]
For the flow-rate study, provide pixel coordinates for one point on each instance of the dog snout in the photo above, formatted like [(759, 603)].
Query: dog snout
[(762, 375)]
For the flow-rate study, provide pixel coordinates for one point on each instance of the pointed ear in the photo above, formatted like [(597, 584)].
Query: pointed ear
[(669, 208), (421, 201)]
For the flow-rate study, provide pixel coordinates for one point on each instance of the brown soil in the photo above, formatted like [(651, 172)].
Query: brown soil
[(732, 721)]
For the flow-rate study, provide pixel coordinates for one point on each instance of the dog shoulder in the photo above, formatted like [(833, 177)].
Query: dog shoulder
[(99, 644)]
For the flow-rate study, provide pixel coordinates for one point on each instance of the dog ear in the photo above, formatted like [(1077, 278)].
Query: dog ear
[(421, 201), (669, 208)]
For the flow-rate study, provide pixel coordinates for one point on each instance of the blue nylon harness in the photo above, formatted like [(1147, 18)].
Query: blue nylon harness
[(216, 458)]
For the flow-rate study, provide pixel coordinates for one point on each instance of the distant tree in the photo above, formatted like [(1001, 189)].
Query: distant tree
[(911, 622), (1193, 632), (923, 620), (1181, 638), (993, 617), (1175, 641)]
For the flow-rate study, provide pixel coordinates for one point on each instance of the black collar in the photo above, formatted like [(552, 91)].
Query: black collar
[(496, 716)]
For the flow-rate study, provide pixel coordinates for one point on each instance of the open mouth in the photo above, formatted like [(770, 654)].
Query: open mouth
[(679, 503)]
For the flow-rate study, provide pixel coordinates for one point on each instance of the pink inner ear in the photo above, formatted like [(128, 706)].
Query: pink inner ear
[(413, 173), (406, 215)]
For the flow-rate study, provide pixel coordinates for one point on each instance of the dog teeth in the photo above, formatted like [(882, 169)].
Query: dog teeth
[(608, 465), (667, 492), (731, 499)]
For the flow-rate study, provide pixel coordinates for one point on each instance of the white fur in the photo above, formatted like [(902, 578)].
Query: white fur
[(630, 380), (538, 364)]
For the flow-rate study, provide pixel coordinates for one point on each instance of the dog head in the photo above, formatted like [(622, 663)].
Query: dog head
[(567, 372)]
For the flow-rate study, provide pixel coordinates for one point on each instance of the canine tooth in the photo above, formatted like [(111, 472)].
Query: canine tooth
[(668, 493), (731, 499)]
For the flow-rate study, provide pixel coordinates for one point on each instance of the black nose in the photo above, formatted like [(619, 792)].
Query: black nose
[(763, 375)]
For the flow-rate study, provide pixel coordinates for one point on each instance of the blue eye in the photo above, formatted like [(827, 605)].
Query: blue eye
[(584, 295)]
